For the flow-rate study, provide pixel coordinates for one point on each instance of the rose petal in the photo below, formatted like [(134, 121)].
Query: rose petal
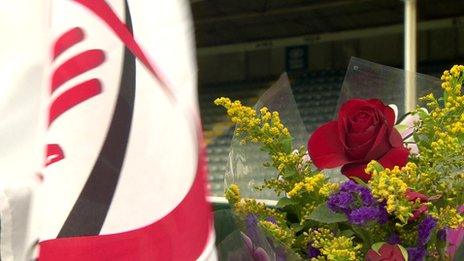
[(395, 157), (412, 195), (359, 152), (353, 106), (351, 170), (361, 121), (386, 252), (395, 139), (387, 111), (418, 212), (354, 139), (376, 103), (325, 148), (373, 256), (381, 144), (389, 114), (391, 251), (343, 128)]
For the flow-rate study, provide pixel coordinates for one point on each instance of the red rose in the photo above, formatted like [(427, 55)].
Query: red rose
[(412, 195), (363, 132), (386, 252)]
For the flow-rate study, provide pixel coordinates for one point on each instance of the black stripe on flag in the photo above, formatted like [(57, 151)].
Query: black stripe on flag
[(89, 212)]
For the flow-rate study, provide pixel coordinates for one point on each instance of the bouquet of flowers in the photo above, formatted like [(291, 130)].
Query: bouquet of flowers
[(403, 196)]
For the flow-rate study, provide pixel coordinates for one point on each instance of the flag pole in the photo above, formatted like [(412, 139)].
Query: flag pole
[(410, 59)]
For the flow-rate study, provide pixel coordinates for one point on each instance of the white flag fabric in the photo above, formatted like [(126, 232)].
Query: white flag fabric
[(124, 175), (22, 61)]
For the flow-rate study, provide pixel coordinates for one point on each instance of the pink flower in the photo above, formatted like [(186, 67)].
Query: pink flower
[(455, 237)]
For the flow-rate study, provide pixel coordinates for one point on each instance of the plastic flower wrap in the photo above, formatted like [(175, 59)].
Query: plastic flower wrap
[(403, 199), (245, 158)]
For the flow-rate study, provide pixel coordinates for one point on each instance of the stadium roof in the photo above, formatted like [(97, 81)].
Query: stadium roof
[(224, 22)]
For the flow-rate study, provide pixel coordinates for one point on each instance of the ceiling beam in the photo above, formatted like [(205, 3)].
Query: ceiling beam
[(272, 12), (329, 37)]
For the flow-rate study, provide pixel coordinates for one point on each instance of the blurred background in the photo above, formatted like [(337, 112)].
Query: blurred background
[(243, 46)]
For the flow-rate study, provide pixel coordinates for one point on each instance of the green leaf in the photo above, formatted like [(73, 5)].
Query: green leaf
[(297, 227), (442, 100), (459, 255), (365, 236), (224, 224), (283, 202), (347, 233), (377, 166), (404, 252), (287, 144), (421, 138), (401, 127), (422, 113), (324, 215), (359, 181), (289, 172), (376, 246)]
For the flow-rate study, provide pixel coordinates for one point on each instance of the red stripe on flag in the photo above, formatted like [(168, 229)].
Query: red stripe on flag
[(67, 40), (104, 12), (54, 154), (181, 235), (75, 66), (73, 97)]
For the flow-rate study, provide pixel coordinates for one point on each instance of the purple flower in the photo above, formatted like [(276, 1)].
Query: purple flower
[(366, 196), (416, 253), (312, 251), (280, 254), (363, 215), (383, 214), (358, 204), (441, 234), (257, 253), (361, 192), (271, 219), (394, 239), (340, 202), (425, 230), (251, 222), (349, 186)]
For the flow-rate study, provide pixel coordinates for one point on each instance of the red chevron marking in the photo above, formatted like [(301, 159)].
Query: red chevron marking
[(54, 154), (76, 65), (73, 97), (67, 40)]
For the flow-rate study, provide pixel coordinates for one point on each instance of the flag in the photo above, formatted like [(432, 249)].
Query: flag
[(125, 175), (22, 62)]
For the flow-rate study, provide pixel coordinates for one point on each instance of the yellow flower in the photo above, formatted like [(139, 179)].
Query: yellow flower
[(333, 247), (387, 185), (308, 185)]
